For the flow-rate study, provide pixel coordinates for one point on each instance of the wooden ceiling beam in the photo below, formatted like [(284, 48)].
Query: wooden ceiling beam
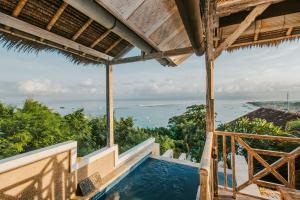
[(229, 7), (289, 31), (155, 55), (80, 31), (19, 8), (113, 45), (49, 44), (241, 28), (43, 34), (267, 25), (100, 38), (257, 29), (58, 13), (191, 17)]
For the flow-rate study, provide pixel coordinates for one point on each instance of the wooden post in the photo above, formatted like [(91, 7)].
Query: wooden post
[(109, 106), (225, 161), (292, 173), (233, 166), (250, 166), (210, 13)]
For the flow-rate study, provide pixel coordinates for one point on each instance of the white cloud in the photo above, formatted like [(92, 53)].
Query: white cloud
[(87, 83), (89, 86), (41, 87)]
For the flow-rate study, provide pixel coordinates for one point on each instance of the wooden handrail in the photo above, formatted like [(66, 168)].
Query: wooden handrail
[(206, 155), (260, 137), (237, 141), (206, 171)]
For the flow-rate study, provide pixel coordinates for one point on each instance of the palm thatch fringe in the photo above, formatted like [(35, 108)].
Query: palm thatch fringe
[(273, 43), (11, 42)]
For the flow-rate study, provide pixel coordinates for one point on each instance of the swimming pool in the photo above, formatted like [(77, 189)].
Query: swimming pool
[(155, 179)]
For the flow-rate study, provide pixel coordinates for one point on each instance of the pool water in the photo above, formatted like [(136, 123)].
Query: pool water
[(156, 179)]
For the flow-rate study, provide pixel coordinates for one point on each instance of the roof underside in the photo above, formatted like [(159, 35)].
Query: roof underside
[(156, 22)]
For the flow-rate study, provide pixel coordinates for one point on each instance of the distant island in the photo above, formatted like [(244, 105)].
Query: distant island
[(293, 106)]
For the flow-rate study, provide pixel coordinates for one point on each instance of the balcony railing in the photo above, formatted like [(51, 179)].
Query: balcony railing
[(238, 143)]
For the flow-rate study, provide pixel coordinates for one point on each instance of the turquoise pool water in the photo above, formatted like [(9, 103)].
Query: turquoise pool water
[(156, 180)]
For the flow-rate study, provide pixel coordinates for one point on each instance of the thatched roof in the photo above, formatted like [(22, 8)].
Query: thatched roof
[(280, 22), (154, 25), (277, 117), (40, 12)]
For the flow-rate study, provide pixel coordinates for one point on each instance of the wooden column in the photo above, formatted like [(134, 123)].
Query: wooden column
[(109, 106), (210, 13)]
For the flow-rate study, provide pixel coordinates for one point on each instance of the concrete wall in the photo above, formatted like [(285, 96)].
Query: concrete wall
[(102, 161), (53, 172), (42, 174)]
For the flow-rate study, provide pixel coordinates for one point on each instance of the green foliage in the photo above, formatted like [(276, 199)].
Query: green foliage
[(189, 131), (293, 127), (35, 126), (260, 127)]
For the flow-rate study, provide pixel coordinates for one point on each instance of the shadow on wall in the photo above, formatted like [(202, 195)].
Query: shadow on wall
[(49, 178)]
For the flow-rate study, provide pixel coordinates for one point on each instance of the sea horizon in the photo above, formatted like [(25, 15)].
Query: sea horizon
[(146, 113)]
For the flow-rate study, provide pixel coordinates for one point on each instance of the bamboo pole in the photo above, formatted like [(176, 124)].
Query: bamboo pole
[(19, 8)]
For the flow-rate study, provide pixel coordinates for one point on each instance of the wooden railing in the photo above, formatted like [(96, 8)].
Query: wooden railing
[(238, 143), (206, 169)]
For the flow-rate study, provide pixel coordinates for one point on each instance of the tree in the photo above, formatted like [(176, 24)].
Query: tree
[(189, 130)]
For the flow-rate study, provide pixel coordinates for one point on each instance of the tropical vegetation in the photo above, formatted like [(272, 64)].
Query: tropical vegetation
[(35, 126)]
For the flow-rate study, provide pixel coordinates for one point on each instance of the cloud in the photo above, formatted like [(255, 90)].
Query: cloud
[(41, 87), (89, 86)]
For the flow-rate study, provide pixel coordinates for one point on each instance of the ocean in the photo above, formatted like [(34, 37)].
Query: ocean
[(153, 113)]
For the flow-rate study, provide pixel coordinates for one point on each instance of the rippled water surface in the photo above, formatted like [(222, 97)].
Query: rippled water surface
[(157, 179)]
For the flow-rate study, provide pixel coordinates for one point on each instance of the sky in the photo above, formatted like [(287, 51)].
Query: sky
[(256, 74)]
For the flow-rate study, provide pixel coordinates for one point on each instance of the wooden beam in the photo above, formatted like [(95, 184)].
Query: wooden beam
[(19, 8), (58, 13), (109, 106), (190, 13), (46, 35), (155, 55), (100, 38), (113, 45), (257, 29), (225, 8), (78, 33), (50, 44), (241, 28), (289, 31)]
